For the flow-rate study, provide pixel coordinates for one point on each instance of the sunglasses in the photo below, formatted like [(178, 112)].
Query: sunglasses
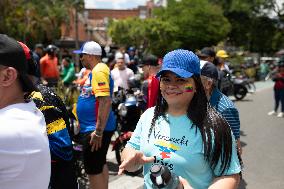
[(81, 55)]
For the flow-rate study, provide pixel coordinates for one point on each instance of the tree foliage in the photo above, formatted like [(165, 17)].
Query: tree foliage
[(154, 35), (253, 26), (34, 21), (198, 22), (189, 24)]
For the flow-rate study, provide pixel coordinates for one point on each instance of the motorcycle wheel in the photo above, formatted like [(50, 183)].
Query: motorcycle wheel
[(240, 92), (82, 177), (118, 151), (251, 87)]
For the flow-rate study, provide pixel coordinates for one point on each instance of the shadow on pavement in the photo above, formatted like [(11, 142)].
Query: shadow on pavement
[(242, 184), (242, 133), (243, 144), (243, 100), (113, 168)]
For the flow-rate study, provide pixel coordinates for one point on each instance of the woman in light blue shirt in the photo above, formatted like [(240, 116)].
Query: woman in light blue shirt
[(183, 132)]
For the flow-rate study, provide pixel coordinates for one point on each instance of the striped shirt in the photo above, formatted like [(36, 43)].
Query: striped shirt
[(227, 109)]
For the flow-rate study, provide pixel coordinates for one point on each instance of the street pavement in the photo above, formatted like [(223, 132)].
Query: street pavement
[(262, 138), (262, 141)]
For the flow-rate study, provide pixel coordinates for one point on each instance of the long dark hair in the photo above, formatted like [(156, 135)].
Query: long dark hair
[(215, 131)]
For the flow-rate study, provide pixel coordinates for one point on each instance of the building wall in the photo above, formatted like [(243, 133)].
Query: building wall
[(68, 30), (92, 23), (100, 14)]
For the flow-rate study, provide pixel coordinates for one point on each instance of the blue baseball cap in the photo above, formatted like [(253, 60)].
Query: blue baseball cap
[(89, 47), (183, 63)]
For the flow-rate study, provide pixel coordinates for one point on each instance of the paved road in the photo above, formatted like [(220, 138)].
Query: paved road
[(263, 144), (262, 138)]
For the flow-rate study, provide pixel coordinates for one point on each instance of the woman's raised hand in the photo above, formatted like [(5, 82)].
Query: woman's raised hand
[(132, 160)]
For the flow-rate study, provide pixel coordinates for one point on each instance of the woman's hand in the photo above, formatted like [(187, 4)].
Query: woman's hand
[(184, 183), (132, 160)]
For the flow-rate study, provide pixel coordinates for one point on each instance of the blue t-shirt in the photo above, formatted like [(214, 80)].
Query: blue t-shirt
[(87, 106), (227, 109), (178, 146)]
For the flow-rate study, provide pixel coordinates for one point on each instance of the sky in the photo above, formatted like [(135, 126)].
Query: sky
[(123, 4), (114, 4)]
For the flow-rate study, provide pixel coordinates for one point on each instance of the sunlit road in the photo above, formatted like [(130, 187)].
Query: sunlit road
[(262, 138), (263, 144)]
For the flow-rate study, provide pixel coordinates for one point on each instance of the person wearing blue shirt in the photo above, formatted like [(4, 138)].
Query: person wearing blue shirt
[(183, 132), (219, 101), (96, 118)]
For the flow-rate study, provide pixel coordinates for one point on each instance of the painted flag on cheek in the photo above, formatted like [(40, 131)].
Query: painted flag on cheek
[(188, 88)]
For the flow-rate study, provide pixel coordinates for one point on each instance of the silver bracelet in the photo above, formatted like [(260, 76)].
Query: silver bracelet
[(99, 136)]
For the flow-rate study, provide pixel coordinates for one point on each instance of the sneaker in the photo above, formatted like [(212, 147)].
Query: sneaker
[(281, 114), (271, 113)]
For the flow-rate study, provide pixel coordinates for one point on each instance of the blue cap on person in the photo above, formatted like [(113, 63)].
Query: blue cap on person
[(183, 63), (90, 47)]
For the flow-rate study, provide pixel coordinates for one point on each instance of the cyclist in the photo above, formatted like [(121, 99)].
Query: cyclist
[(57, 125)]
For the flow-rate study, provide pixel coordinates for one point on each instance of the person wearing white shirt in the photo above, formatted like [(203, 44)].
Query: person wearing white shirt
[(24, 149), (120, 74)]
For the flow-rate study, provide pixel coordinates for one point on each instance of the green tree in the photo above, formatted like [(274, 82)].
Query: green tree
[(252, 25), (189, 24), (154, 35), (262, 32), (198, 22), (32, 21), (128, 31), (160, 37)]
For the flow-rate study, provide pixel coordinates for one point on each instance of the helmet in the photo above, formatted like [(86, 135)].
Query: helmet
[(131, 49), (130, 101), (134, 81), (222, 54), (51, 48)]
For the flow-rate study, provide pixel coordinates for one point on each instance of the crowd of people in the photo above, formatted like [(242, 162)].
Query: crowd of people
[(189, 124)]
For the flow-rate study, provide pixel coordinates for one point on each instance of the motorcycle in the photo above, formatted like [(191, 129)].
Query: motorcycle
[(238, 86), (127, 106), (81, 175)]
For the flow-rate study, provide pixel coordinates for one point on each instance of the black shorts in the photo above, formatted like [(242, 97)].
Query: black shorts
[(63, 175), (95, 161)]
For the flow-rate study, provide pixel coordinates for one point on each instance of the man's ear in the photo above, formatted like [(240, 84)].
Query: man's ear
[(208, 85), (211, 83), (8, 76)]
